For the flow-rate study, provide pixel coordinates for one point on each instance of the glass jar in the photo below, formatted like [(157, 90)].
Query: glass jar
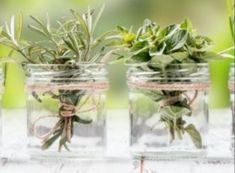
[(232, 91), (1, 90), (168, 110), (66, 110)]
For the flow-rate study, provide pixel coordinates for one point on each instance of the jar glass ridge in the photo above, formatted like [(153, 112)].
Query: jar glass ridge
[(1, 91), (66, 110), (232, 91), (168, 110)]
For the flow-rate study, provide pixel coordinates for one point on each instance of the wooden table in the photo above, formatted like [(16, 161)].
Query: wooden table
[(16, 160)]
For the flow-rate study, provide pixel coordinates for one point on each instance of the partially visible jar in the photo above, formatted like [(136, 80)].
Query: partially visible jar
[(232, 91), (66, 110), (168, 110), (1, 90)]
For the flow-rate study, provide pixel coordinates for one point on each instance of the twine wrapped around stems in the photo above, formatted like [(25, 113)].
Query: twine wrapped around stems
[(97, 86), (169, 87), (67, 110)]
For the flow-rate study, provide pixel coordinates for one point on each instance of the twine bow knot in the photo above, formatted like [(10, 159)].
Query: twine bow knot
[(67, 110)]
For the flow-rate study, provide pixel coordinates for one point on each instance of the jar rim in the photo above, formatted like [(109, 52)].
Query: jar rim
[(172, 65), (81, 64), (63, 70), (180, 72)]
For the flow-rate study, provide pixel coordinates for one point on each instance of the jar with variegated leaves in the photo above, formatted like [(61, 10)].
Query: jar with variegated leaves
[(1, 91), (66, 110), (168, 110), (232, 91)]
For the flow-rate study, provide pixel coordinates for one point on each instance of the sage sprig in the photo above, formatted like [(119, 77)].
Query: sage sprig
[(163, 48), (178, 43), (71, 42)]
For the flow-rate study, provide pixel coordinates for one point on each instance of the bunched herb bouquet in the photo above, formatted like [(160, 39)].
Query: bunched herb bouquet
[(168, 74), (68, 53)]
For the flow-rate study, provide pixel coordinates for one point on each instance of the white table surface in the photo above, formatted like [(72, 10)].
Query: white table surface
[(14, 158)]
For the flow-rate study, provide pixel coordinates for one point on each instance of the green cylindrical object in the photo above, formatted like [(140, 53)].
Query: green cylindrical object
[(219, 96)]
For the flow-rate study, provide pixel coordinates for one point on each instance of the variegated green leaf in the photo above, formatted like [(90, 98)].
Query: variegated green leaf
[(175, 112), (195, 135)]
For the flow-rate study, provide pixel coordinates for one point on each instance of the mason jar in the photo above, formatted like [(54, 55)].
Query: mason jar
[(1, 91), (232, 91), (168, 110), (66, 110)]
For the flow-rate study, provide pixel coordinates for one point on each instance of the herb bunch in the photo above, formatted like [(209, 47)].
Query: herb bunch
[(71, 42), (72, 39), (161, 49)]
